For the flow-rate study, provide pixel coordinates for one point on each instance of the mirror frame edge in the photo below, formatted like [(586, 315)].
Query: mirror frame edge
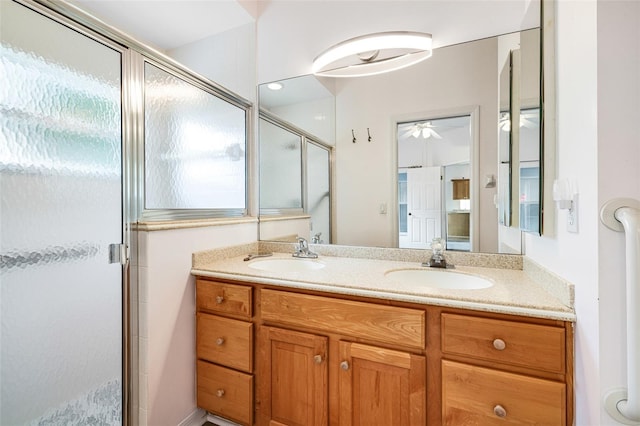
[(548, 116)]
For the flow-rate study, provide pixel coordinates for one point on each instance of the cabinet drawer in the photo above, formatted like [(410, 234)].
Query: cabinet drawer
[(225, 392), (223, 298), (528, 345), (480, 396), (224, 341), (380, 323)]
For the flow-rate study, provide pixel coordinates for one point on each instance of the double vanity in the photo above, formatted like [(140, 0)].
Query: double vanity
[(369, 336)]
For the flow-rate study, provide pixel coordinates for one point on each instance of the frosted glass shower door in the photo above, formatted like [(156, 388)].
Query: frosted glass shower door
[(319, 193), (61, 208)]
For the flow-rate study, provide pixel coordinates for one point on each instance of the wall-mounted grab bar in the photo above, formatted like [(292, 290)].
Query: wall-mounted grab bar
[(623, 214)]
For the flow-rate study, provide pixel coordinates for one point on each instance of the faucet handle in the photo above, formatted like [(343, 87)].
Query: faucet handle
[(437, 246), (302, 243)]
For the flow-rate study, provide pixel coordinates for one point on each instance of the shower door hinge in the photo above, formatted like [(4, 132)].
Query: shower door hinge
[(118, 253)]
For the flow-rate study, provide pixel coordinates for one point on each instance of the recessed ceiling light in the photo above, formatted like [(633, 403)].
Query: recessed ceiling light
[(275, 86)]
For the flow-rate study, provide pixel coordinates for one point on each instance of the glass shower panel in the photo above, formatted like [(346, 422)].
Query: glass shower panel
[(280, 168), (195, 146), (60, 208), (318, 193)]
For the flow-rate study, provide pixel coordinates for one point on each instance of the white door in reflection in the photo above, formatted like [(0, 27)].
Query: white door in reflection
[(61, 208), (423, 207)]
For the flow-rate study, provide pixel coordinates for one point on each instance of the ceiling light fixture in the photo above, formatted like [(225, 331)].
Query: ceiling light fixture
[(275, 86), (424, 130), (373, 54)]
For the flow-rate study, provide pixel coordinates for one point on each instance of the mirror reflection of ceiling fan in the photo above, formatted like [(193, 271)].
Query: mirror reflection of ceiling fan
[(528, 119), (424, 130)]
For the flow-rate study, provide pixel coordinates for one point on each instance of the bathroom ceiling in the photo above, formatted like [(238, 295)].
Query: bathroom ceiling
[(167, 24)]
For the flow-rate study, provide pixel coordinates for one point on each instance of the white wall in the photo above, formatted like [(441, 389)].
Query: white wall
[(598, 85), (292, 33), (227, 58), (619, 174), (316, 117), (449, 81), (167, 317), (285, 229)]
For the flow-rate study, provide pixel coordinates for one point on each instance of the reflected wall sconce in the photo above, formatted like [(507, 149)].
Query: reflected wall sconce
[(565, 194), (373, 54)]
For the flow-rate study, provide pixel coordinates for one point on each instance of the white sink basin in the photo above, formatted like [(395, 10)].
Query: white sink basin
[(437, 278), (286, 265)]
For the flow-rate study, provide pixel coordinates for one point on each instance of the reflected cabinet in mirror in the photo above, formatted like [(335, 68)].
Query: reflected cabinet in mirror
[(448, 148)]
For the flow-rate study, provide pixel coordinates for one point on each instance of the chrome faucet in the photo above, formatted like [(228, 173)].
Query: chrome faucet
[(437, 255), (302, 250), (316, 238)]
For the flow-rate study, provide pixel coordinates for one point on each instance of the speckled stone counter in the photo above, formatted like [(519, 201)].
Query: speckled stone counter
[(514, 291)]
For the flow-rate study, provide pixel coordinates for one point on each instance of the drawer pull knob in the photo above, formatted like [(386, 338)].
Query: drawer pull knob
[(344, 365), (317, 359), (220, 393), (219, 300), (220, 341), (499, 344), (499, 411)]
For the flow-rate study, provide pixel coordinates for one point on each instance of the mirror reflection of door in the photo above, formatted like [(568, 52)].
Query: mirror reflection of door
[(433, 156), (423, 220)]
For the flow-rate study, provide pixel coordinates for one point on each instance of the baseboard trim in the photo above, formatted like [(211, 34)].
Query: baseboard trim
[(220, 421), (197, 418)]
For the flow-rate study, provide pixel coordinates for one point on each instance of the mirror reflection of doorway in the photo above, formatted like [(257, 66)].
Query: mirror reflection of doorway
[(434, 171)]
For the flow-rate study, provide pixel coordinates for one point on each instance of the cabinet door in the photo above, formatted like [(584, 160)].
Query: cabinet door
[(381, 386), (460, 189), (292, 388)]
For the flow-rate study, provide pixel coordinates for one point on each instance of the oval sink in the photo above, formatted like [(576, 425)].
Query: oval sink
[(286, 265), (439, 279)]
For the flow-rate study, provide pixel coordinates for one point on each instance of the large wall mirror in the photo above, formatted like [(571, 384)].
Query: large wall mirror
[(442, 128)]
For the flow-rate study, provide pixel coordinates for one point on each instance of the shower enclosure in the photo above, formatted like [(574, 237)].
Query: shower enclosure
[(61, 222)]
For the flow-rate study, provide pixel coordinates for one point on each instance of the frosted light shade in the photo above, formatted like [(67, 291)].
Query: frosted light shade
[(373, 54)]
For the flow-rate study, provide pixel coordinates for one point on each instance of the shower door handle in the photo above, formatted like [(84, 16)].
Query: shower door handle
[(118, 253)]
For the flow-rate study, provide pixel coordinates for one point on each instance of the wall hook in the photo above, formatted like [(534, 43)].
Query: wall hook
[(354, 136), (369, 133)]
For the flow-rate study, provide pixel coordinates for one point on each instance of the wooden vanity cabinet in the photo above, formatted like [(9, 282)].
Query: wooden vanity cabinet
[(505, 372), (224, 350), (346, 360), (381, 386), (325, 360), (294, 377)]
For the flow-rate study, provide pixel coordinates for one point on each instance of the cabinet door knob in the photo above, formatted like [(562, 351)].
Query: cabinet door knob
[(219, 299), (220, 341), (344, 365), (317, 359), (220, 393), (499, 344), (499, 411)]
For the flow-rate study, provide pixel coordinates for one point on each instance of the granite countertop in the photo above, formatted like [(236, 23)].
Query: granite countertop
[(513, 291)]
